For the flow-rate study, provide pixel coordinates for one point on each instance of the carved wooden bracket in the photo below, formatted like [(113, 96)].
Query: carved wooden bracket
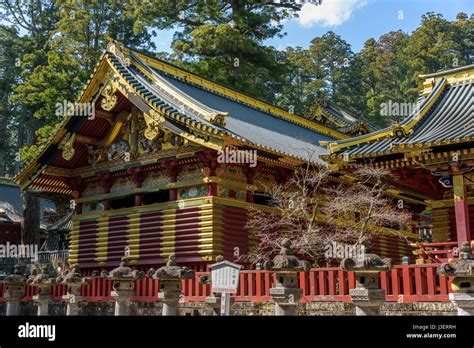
[(67, 145), (106, 180), (172, 168), (138, 174), (250, 172), (209, 158)]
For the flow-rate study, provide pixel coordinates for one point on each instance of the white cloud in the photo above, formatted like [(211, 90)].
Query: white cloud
[(329, 13)]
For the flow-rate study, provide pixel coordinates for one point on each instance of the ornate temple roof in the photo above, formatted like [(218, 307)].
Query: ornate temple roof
[(200, 111), (242, 121), (443, 116)]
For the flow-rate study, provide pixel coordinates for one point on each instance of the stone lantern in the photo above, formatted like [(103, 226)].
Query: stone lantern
[(74, 280), (42, 279), (368, 297), (170, 277), (14, 291), (286, 266), (123, 283), (463, 282)]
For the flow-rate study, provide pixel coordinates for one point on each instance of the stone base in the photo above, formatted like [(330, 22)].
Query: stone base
[(288, 296), (58, 308), (464, 302), (43, 303), (13, 302), (286, 300), (367, 301), (72, 303), (170, 302), (122, 304), (13, 308), (283, 309), (214, 302)]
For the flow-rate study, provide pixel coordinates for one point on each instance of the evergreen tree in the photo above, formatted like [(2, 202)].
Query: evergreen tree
[(223, 40), (10, 45)]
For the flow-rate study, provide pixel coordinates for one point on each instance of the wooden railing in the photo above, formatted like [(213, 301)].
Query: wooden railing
[(404, 283), (436, 252), (46, 256)]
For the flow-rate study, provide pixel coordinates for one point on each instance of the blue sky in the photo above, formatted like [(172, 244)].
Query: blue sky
[(354, 20)]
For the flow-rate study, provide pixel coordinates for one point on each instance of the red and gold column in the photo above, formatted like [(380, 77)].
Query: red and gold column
[(172, 168), (209, 158), (461, 208), (107, 180), (77, 185), (139, 175)]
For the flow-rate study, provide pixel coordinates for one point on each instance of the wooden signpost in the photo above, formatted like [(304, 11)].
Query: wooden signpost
[(225, 280)]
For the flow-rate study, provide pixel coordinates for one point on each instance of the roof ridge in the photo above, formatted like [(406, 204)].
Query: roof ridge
[(298, 119), (447, 72), (405, 126)]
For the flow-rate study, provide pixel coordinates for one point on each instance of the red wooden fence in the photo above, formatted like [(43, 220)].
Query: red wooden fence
[(407, 283)]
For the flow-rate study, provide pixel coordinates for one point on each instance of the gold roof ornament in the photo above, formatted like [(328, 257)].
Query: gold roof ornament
[(67, 145), (118, 50)]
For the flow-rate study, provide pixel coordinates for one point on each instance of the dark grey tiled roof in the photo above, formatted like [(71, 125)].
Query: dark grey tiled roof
[(450, 119), (243, 122), (62, 224), (259, 127), (341, 114), (54, 241)]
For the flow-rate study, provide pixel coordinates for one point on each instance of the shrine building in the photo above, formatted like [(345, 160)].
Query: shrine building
[(430, 154), (168, 162)]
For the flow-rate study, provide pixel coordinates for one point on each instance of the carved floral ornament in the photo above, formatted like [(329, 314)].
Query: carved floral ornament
[(67, 145), (110, 99), (153, 120), (113, 83)]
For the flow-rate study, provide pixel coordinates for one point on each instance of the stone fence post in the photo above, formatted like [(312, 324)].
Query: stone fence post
[(286, 266), (123, 285), (43, 280), (74, 280), (170, 277), (463, 282), (368, 297), (14, 291)]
